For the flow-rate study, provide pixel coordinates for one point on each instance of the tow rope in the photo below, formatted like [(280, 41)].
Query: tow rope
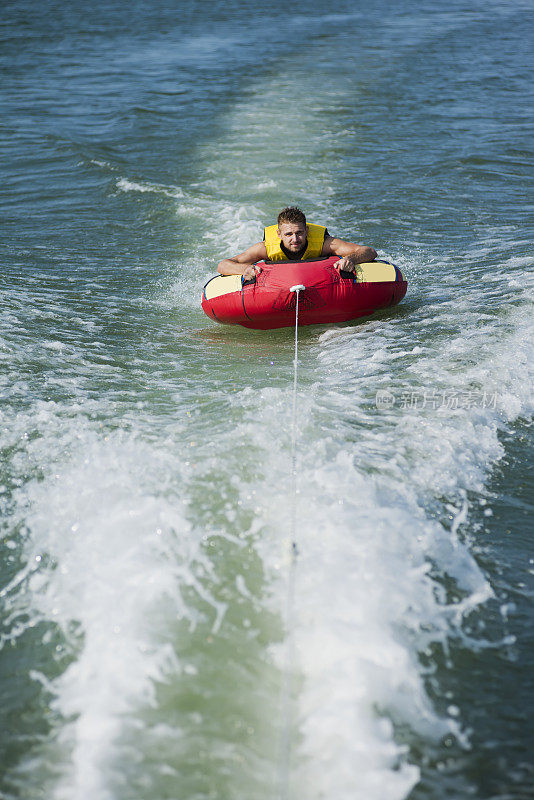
[(284, 759)]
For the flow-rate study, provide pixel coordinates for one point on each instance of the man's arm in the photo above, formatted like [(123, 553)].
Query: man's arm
[(243, 264), (350, 254)]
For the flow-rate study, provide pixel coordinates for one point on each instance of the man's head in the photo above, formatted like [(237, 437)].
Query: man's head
[(292, 229)]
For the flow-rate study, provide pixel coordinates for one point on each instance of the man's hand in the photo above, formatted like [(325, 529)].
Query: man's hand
[(250, 272), (345, 264)]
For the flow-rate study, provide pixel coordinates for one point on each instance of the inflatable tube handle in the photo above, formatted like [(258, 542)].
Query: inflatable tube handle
[(251, 280)]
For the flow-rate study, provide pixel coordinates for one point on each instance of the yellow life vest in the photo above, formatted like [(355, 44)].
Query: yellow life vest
[(316, 234)]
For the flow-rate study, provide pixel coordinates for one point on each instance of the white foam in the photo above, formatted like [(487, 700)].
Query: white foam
[(111, 544), (126, 185)]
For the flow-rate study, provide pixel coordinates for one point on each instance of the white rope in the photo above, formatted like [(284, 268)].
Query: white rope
[(284, 760)]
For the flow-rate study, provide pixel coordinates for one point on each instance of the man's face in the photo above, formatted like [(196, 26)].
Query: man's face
[(293, 235)]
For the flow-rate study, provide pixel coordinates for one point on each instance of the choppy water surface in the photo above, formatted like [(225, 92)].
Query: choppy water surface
[(146, 452)]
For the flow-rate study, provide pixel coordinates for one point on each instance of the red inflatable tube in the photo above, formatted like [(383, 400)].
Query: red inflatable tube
[(267, 302)]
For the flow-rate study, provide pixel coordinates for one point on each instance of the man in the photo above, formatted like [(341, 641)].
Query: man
[(294, 240)]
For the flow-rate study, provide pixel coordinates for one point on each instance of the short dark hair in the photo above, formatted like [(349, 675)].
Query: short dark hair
[(293, 215)]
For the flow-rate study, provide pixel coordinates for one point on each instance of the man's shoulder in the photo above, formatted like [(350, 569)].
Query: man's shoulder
[(259, 249), (328, 239)]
